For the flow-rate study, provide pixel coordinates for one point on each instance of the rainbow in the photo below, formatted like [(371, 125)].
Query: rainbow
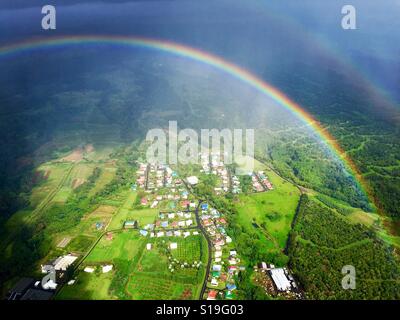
[(211, 60)]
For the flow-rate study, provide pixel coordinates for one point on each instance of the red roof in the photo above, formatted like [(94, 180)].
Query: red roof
[(212, 294)]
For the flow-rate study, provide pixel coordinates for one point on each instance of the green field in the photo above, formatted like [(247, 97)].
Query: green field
[(270, 213), (126, 212), (124, 245), (139, 273), (152, 278)]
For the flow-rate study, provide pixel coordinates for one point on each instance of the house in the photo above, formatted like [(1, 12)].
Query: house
[(148, 246), (169, 233), (185, 203), (171, 215), (177, 233), (143, 233), (212, 295), (160, 234), (230, 286), (173, 246), (222, 221), (154, 204), (204, 206), (174, 224), (215, 274), (164, 224), (130, 224), (228, 295), (232, 269), (214, 282), (107, 268), (186, 234), (216, 267), (181, 223), (192, 180), (99, 225), (189, 222), (88, 270), (144, 202)]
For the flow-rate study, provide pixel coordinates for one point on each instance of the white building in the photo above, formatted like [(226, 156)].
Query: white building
[(281, 281)]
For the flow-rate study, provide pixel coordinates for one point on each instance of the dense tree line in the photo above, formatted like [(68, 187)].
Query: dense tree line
[(322, 242)]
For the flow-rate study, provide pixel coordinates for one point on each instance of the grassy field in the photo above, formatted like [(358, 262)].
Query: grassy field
[(126, 212), (152, 278), (270, 213), (88, 286), (124, 245), (140, 273)]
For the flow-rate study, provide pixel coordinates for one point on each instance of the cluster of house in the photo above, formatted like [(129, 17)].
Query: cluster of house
[(218, 168), (213, 163), (235, 185), (171, 224), (161, 183), (90, 269), (141, 178), (283, 281), (174, 220), (260, 181), (156, 176), (225, 261)]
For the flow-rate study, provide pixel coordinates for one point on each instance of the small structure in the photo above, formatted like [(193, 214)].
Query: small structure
[(130, 224), (212, 295), (173, 246), (89, 269), (192, 180), (148, 246), (107, 268)]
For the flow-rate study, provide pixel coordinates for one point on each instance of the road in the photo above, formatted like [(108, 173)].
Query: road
[(204, 287)]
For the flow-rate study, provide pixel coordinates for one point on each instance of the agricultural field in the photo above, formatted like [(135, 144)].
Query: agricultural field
[(157, 276), (139, 273), (88, 286), (270, 213), (127, 212)]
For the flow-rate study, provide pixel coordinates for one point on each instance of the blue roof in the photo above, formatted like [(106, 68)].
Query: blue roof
[(204, 206), (231, 286), (143, 232)]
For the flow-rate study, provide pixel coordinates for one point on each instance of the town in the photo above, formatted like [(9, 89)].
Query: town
[(181, 215)]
